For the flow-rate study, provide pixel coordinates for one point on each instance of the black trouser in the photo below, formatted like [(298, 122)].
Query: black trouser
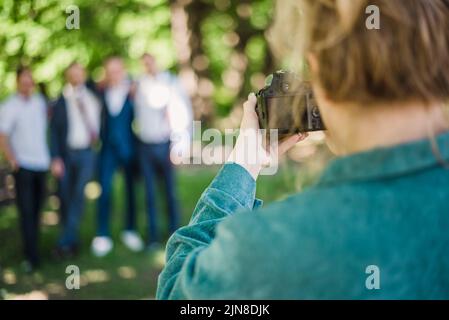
[(30, 192), (155, 162)]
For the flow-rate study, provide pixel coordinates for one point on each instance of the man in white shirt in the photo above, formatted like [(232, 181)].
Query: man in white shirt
[(163, 113), (23, 129), (75, 126)]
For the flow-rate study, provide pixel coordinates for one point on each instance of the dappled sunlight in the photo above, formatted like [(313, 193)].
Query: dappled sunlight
[(50, 218), (32, 295), (258, 80), (205, 87), (92, 190), (232, 79), (9, 277), (126, 272), (54, 288), (159, 258), (95, 276)]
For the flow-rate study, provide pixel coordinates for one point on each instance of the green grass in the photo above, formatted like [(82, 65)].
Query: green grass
[(122, 274)]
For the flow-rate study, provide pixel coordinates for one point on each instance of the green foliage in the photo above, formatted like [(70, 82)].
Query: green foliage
[(34, 32), (235, 27)]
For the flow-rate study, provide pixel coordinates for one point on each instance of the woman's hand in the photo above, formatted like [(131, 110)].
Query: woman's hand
[(249, 150), (57, 168), (5, 149)]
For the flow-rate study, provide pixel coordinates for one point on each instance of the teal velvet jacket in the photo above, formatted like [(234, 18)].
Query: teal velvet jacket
[(376, 219)]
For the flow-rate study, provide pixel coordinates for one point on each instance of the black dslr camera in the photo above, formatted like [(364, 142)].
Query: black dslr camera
[(288, 104)]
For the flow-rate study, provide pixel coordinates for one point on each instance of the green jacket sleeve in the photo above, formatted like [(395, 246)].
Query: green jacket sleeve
[(199, 256)]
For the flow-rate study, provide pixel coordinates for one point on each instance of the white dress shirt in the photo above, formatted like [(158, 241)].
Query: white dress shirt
[(24, 121), (162, 109), (79, 124), (116, 96)]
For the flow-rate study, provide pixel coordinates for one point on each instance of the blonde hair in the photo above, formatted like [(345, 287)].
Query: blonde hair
[(406, 59)]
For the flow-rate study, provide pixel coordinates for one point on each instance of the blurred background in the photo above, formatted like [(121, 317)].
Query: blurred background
[(218, 49)]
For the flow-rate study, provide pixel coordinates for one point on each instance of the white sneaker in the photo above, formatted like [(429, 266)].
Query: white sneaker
[(101, 246), (132, 240)]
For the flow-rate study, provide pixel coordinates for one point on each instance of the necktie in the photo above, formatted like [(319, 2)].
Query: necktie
[(93, 136)]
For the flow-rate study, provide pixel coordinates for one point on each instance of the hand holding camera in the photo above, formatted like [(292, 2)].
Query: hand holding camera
[(287, 105), (251, 142)]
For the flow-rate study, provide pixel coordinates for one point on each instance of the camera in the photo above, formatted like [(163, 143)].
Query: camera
[(287, 103)]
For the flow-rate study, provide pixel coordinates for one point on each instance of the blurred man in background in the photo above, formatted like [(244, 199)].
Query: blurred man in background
[(23, 126), (75, 126), (117, 149), (163, 113)]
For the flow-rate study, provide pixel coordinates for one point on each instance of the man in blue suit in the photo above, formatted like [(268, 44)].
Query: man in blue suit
[(118, 142)]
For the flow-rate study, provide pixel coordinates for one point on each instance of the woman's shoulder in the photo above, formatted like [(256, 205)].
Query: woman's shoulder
[(300, 208), (316, 213)]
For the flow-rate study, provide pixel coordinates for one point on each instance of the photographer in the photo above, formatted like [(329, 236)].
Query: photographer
[(382, 202)]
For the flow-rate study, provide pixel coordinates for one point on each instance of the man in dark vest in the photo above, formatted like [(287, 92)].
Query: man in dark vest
[(118, 144), (74, 126)]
